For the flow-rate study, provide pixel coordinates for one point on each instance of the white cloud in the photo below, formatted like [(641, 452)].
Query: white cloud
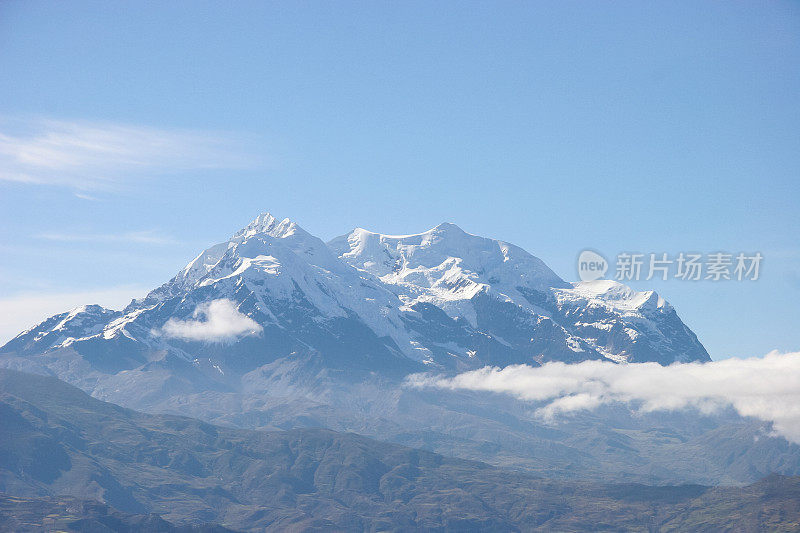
[(222, 322), (102, 156), (137, 237), (766, 388), (22, 311), (84, 196)]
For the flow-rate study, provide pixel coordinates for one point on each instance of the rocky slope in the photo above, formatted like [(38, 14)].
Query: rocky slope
[(60, 443)]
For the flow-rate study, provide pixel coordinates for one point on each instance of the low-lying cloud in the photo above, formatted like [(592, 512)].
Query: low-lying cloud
[(767, 388), (215, 321)]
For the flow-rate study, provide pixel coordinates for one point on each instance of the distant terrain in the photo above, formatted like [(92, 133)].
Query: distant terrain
[(60, 449), (72, 514)]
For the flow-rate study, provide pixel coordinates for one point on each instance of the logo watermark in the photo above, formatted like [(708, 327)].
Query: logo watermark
[(591, 265), (685, 266)]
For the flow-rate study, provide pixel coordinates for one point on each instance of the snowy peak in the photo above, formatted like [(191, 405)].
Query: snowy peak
[(261, 224), (264, 224), (618, 296), (267, 224), (264, 237), (80, 322), (445, 251), (259, 248)]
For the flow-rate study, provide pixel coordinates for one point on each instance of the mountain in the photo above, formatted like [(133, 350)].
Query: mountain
[(60, 450), (496, 303), (366, 303), (275, 329)]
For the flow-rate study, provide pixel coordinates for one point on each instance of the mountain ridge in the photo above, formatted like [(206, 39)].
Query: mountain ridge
[(395, 286), (60, 443)]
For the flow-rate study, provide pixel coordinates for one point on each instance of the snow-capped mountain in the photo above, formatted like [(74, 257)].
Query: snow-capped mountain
[(274, 328), (492, 300), (364, 302)]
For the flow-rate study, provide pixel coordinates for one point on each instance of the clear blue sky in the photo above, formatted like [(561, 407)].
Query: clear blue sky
[(135, 134)]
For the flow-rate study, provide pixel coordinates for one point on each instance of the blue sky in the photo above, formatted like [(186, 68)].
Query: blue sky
[(132, 135)]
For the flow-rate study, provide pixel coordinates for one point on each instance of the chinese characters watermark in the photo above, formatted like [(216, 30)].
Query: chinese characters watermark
[(687, 266)]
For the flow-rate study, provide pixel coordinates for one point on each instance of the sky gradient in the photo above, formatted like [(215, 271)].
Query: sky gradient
[(132, 136)]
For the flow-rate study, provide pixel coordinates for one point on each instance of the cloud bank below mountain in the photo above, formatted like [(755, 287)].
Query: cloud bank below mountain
[(767, 388), (220, 322)]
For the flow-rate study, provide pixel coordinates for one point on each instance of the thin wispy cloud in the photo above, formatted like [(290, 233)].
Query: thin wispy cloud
[(131, 237), (215, 321), (102, 156), (84, 196), (767, 388)]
